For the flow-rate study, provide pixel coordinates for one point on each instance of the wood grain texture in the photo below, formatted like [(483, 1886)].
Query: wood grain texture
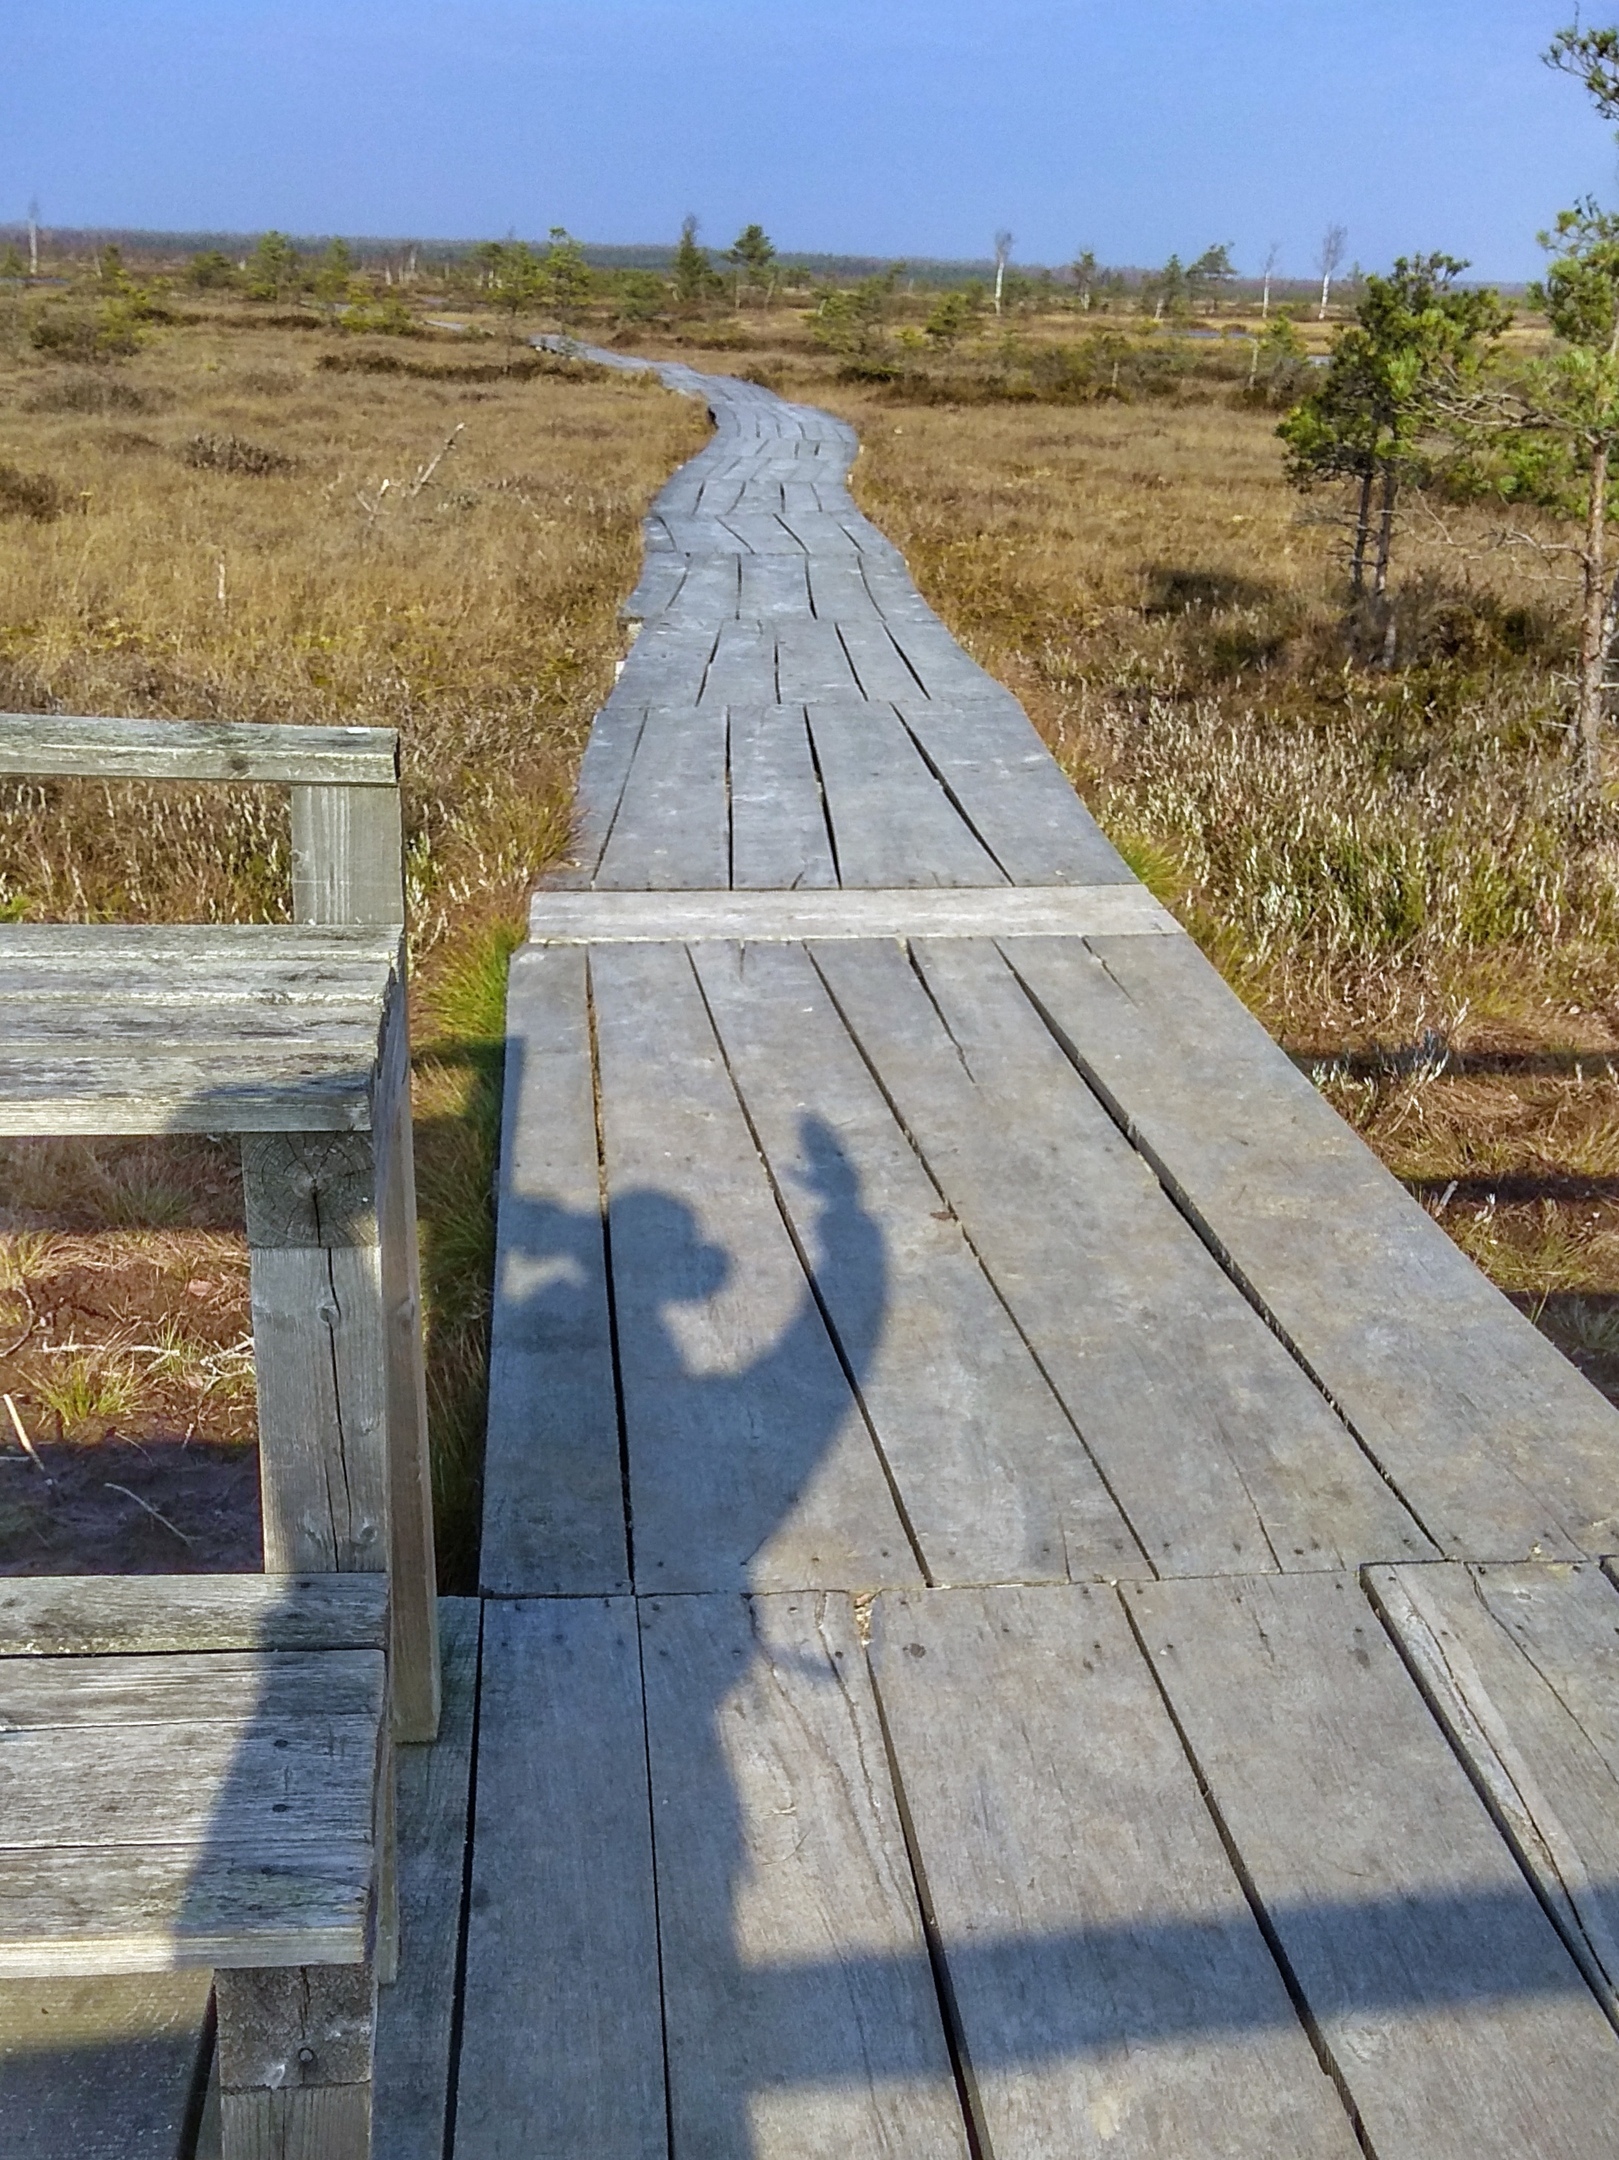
[(146, 1615), (892, 823), (415, 2015), (1020, 802), (1217, 1449), (347, 855), (100, 2069), (1521, 1665), (749, 1462), (1452, 2012), (1498, 1445), (1114, 1993), (995, 1483), (783, 916), (609, 753), (320, 1357), (673, 825), (779, 836), (563, 2043), (800, 2012), (57, 744), (553, 1522), (308, 2123)]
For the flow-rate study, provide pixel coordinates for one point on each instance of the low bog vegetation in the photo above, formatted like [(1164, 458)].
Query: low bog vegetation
[(252, 537)]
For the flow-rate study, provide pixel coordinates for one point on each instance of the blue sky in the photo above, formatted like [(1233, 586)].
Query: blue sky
[(872, 126)]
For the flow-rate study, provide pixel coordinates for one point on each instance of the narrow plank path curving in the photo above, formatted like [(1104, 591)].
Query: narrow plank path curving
[(1034, 1604)]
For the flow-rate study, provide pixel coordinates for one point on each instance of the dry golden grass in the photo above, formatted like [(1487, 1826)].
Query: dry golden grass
[(1387, 865), (241, 534)]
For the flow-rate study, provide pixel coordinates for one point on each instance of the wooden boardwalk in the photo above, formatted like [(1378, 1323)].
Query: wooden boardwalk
[(1033, 1604)]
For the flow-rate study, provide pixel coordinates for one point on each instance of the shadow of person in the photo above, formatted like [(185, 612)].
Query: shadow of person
[(750, 1465)]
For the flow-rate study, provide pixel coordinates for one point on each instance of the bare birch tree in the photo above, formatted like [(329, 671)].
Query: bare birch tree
[(1329, 256), (1273, 256), (1003, 255)]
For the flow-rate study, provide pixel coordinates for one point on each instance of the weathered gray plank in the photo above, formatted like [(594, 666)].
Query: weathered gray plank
[(1220, 1453), (101, 2069), (749, 1462), (1019, 800), (784, 917), (762, 533), (609, 753), (562, 2049), (1450, 2009), (994, 1481), (1500, 1448), (412, 1549), (53, 1694), (1114, 1992), (811, 663), (90, 1909), (839, 590), (415, 2014), (666, 664), (662, 576), (109, 1615), (347, 855), (553, 1488), (881, 669), (801, 2017), (1521, 1665), (290, 1088), (343, 960), (673, 825), (743, 669), (773, 585), (47, 744), (320, 1355), (815, 536), (779, 838), (892, 823)]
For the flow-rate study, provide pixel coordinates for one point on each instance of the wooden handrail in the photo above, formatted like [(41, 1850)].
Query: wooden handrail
[(64, 746), (347, 841)]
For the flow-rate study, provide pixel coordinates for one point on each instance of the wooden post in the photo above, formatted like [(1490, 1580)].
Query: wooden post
[(343, 1462), (296, 2047), (412, 1562), (347, 855), (348, 868)]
